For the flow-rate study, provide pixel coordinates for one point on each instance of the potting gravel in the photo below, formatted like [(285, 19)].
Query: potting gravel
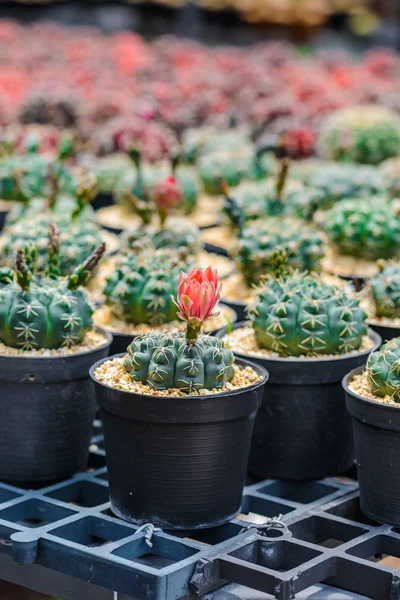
[(112, 373), (92, 340), (243, 341), (103, 317), (348, 266), (361, 386)]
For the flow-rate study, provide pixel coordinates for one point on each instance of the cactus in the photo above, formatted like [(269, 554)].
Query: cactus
[(178, 233), (383, 370), (232, 167), (385, 290), (303, 245), (49, 312), (337, 182), (361, 134), (165, 361), (369, 229), (187, 361), (139, 289), (79, 234), (298, 314)]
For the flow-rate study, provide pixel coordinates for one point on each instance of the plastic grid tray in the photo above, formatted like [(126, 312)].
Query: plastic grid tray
[(68, 528)]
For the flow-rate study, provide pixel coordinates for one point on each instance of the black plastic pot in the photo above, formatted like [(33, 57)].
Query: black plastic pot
[(47, 407), (303, 430), (122, 340), (102, 200), (178, 462), (216, 249), (377, 447), (386, 333), (239, 307), (3, 216)]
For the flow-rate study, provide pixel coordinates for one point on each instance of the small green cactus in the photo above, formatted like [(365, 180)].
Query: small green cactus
[(232, 167), (361, 134), (303, 245), (390, 171), (385, 290), (298, 314), (383, 370), (165, 361), (337, 182), (178, 233), (80, 235), (369, 229), (140, 288), (49, 312)]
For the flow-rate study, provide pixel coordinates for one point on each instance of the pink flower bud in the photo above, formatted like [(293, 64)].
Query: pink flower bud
[(198, 294), (168, 194)]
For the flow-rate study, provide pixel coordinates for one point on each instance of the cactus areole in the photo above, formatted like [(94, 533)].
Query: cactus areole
[(187, 361), (383, 370)]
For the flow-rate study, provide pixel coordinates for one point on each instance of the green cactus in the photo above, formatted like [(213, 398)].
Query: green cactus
[(29, 224), (337, 182), (385, 290), (383, 370), (303, 245), (298, 314), (49, 312), (165, 361), (361, 134), (243, 162), (369, 229), (206, 140), (140, 288), (178, 233)]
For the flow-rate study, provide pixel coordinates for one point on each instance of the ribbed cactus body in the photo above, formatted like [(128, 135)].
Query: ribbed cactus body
[(49, 315), (177, 233), (383, 370), (141, 285), (78, 238), (303, 245), (299, 315), (337, 182), (362, 134), (369, 229), (385, 288), (165, 361)]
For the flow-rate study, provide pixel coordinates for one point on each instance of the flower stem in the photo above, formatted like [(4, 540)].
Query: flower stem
[(192, 333)]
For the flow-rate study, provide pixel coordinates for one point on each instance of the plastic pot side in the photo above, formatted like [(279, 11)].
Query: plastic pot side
[(179, 463), (386, 333), (47, 408), (302, 430), (377, 447)]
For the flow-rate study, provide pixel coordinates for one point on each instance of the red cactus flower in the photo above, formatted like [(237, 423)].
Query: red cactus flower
[(167, 196), (198, 294)]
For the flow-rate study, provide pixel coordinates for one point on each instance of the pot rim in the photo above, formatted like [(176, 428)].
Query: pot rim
[(299, 361), (258, 368), (377, 405), (106, 333), (133, 334)]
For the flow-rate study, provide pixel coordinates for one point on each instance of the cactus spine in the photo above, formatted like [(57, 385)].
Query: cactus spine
[(383, 370)]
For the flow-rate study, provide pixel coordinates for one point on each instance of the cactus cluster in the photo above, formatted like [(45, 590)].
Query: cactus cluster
[(340, 181), (383, 370), (361, 134), (299, 314), (385, 290), (29, 224), (49, 311), (369, 229), (140, 288), (303, 245), (165, 361)]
